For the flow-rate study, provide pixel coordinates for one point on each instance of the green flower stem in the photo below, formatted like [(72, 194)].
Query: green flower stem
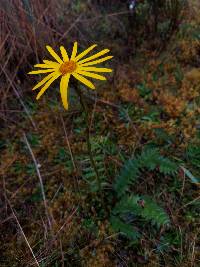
[(85, 108)]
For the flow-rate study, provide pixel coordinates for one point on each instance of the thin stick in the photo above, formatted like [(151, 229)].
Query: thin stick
[(26, 240), (71, 27), (71, 154), (108, 15), (62, 254), (40, 179), (189, 203), (19, 97)]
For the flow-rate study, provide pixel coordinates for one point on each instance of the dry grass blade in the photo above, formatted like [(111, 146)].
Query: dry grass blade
[(40, 179), (70, 28), (20, 99), (25, 238)]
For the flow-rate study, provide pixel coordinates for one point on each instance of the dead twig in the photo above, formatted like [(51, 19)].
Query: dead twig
[(25, 238), (20, 99), (71, 27), (40, 179)]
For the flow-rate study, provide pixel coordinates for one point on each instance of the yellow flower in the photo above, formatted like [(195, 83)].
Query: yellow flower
[(65, 67)]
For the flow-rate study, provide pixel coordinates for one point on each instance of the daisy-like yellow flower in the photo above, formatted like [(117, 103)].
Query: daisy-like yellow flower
[(76, 66)]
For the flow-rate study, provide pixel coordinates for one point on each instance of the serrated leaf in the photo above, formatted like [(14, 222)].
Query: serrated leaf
[(124, 228), (142, 206)]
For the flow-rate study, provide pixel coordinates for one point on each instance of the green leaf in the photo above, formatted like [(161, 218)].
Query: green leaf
[(142, 206), (167, 167), (127, 176), (124, 228), (149, 159)]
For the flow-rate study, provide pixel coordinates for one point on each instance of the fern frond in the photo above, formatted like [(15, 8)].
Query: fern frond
[(153, 212), (124, 228), (167, 167), (144, 207), (127, 176), (149, 159), (88, 172), (193, 154), (127, 204)]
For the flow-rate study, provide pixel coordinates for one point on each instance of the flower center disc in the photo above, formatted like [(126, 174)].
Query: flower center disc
[(67, 67)]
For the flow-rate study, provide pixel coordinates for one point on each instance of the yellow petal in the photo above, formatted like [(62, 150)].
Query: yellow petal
[(43, 81), (96, 61), (64, 53), (40, 71), (74, 51), (85, 52), (43, 66), (84, 80), (53, 53), (94, 56), (47, 85), (92, 75), (64, 90), (51, 63), (94, 69)]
